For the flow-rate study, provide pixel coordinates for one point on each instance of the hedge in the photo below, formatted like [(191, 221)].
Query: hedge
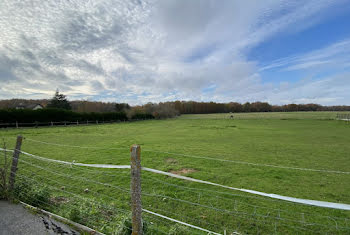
[(56, 115), (142, 116)]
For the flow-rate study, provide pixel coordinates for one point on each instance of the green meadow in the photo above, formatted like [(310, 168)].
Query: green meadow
[(302, 154)]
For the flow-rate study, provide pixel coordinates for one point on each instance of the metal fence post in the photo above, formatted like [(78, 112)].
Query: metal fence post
[(15, 162), (135, 154)]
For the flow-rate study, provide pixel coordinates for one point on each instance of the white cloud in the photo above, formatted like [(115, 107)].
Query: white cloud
[(335, 55), (141, 51), (327, 90)]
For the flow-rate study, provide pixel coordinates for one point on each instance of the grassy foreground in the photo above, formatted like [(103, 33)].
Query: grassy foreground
[(100, 198)]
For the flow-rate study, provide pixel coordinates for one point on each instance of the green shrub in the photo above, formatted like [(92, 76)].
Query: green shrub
[(4, 173), (3, 184), (81, 212), (178, 230), (34, 195), (142, 116), (125, 226)]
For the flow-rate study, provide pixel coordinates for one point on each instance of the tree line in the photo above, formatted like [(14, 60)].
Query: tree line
[(171, 109), (58, 108), (192, 107)]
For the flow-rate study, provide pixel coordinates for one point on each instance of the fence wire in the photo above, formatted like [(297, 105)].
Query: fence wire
[(100, 198)]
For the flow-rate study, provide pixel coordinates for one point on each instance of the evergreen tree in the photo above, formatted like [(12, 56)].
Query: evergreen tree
[(59, 101)]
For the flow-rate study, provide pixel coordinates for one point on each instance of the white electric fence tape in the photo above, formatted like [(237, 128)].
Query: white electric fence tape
[(331, 205)]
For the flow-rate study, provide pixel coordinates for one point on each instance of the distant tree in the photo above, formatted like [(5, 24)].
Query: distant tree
[(234, 107), (120, 107), (59, 101), (247, 107), (260, 107)]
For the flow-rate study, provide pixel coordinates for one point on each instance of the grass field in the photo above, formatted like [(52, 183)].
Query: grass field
[(276, 115), (300, 140)]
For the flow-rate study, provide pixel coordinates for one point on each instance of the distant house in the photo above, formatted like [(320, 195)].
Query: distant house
[(36, 107), (20, 106), (30, 106)]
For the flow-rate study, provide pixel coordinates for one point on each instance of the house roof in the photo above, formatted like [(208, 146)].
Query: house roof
[(29, 106)]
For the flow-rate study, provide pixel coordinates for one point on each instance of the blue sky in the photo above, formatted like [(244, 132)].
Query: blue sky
[(333, 28), (279, 51)]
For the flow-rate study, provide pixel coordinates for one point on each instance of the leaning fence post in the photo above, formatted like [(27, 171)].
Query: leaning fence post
[(15, 162), (135, 154)]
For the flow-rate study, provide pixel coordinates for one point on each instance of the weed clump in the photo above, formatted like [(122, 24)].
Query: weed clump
[(35, 195), (4, 194)]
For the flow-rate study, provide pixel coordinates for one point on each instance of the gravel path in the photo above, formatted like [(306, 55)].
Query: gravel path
[(16, 220)]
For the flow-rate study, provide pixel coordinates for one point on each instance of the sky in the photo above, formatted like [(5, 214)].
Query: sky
[(136, 51)]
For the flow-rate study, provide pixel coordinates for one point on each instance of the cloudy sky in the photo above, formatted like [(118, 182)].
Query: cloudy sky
[(136, 51)]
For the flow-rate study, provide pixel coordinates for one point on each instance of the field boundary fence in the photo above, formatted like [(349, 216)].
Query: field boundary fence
[(343, 117), (317, 203), (135, 191), (339, 116), (62, 123)]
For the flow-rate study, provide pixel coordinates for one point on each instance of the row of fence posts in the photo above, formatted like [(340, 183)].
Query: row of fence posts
[(65, 123), (135, 185), (36, 124), (343, 116)]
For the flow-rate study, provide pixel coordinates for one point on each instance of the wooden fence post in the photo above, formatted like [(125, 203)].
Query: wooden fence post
[(135, 154), (16, 124), (15, 162)]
